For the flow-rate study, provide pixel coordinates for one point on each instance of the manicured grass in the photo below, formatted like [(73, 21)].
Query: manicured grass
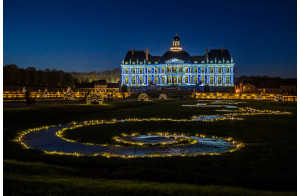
[(43, 179), (267, 162)]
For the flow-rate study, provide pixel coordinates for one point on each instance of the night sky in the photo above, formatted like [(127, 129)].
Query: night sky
[(95, 35)]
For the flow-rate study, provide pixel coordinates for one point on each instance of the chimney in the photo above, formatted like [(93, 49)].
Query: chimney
[(147, 54), (132, 51), (206, 52)]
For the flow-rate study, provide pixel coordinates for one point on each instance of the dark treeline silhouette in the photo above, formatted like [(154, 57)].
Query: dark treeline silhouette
[(266, 81), (111, 76), (13, 75)]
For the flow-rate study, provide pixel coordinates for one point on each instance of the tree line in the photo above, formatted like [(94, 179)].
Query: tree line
[(266, 81), (111, 76), (13, 75)]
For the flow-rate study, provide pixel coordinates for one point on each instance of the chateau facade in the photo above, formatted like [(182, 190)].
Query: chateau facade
[(177, 67)]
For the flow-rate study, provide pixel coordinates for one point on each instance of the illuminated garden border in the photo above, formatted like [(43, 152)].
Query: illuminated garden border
[(231, 116)]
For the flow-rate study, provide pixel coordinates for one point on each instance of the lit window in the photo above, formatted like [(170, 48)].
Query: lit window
[(180, 80), (186, 79), (155, 80), (211, 61), (163, 80), (180, 69), (219, 80), (195, 70), (211, 70), (149, 80), (202, 70), (156, 62), (169, 79), (149, 70), (155, 70), (126, 79), (126, 63), (141, 70), (126, 70), (133, 63), (202, 79), (133, 70), (141, 62), (227, 61), (133, 79), (202, 62), (227, 80), (163, 69), (219, 61), (196, 62), (220, 70), (187, 70), (141, 79), (211, 79), (227, 70)]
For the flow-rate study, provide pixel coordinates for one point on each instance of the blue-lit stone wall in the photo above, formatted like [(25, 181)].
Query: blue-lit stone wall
[(182, 74)]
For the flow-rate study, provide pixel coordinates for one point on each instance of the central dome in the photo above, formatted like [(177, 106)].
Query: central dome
[(181, 55)]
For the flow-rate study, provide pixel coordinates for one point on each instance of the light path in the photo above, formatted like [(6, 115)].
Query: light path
[(47, 140)]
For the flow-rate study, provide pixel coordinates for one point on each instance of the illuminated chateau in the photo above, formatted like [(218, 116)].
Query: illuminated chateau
[(177, 67)]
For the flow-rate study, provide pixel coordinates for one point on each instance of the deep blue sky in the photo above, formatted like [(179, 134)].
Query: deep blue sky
[(95, 35)]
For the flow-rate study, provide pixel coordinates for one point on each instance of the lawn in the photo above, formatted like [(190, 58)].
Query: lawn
[(266, 164)]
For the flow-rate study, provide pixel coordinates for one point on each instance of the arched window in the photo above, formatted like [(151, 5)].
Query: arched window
[(141, 79), (169, 79)]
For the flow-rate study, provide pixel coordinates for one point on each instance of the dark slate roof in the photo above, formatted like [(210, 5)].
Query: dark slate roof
[(219, 54), (113, 85), (84, 85), (99, 82), (182, 55), (199, 58), (213, 54), (139, 54), (152, 59)]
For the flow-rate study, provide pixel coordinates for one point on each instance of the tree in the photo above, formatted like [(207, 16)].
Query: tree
[(34, 80), (124, 88), (68, 80), (206, 89), (43, 81)]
